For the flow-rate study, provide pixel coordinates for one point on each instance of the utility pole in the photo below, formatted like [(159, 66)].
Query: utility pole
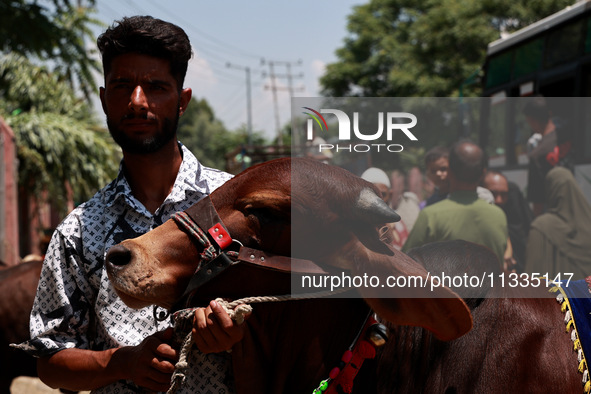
[(275, 103), (248, 99), (274, 88)]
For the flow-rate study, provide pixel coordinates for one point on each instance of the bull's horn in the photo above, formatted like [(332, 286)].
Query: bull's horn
[(373, 209)]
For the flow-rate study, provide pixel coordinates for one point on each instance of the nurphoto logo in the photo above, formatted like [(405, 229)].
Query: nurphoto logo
[(395, 123)]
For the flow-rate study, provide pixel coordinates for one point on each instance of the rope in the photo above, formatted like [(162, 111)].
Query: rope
[(180, 368), (236, 310)]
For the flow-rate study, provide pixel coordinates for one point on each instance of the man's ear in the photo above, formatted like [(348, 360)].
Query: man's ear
[(185, 98)]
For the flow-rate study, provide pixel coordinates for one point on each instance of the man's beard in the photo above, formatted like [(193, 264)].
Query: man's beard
[(147, 145)]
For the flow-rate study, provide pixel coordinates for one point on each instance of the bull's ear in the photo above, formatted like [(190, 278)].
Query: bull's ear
[(438, 309)]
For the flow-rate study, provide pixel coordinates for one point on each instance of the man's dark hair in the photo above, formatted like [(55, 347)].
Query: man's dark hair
[(537, 108), (148, 36), (435, 154), (467, 161)]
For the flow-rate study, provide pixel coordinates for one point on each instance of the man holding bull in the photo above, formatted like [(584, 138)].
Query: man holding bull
[(86, 338)]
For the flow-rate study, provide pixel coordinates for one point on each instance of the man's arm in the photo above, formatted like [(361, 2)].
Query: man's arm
[(149, 364)]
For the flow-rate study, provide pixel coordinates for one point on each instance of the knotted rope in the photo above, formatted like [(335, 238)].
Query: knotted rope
[(237, 310)]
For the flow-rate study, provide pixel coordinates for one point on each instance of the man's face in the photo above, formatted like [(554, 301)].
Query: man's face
[(142, 103), (499, 188), (437, 173)]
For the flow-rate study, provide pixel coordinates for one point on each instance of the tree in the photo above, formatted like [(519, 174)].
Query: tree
[(60, 144), (403, 48), (207, 137), (53, 31)]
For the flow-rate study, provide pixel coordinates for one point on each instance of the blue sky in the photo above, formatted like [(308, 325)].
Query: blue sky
[(243, 33)]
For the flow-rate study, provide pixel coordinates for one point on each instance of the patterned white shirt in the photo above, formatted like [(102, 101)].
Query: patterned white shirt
[(76, 306)]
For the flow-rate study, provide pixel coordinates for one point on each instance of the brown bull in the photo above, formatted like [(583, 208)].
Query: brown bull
[(18, 285), (518, 344), (333, 216)]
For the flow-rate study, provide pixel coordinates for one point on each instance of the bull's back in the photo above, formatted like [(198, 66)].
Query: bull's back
[(18, 285), (518, 342)]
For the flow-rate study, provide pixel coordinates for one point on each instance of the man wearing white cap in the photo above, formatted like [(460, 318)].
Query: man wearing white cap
[(394, 234)]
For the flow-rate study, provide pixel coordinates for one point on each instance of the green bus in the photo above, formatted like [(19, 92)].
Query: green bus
[(551, 57)]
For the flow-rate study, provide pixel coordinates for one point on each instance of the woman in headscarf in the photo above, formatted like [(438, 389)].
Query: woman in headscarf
[(559, 240)]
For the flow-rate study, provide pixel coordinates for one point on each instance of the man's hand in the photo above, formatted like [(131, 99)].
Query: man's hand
[(152, 362), (149, 364), (214, 331)]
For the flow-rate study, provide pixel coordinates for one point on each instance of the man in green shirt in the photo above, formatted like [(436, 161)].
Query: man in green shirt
[(462, 215)]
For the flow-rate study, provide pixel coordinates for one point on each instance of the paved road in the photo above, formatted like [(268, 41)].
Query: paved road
[(28, 385)]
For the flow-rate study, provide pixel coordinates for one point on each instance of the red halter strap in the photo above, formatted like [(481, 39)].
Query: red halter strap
[(203, 224)]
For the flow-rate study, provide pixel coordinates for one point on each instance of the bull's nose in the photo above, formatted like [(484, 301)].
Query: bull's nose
[(118, 256)]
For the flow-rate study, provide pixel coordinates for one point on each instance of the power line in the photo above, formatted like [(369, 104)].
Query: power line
[(234, 98), (190, 26), (248, 99), (274, 88)]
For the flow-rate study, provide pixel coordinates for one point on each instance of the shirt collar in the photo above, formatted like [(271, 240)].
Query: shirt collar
[(186, 180), (465, 196)]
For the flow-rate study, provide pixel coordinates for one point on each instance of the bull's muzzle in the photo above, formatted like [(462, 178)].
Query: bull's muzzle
[(118, 257)]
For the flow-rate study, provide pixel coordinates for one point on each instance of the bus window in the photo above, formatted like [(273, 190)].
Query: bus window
[(587, 48), (499, 69), (564, 44), (528, 58)]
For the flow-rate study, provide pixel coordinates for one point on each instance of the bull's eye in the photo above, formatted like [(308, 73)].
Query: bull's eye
[(262, 215)]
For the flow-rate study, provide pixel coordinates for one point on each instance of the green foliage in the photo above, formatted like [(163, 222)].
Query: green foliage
[(60, 145), (286, 135), (59, 142), (429, 48), (53, 31), (55, 150), (207, 137), (25, 87)]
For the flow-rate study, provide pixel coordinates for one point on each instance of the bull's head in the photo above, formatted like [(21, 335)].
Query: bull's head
[(332, 218)]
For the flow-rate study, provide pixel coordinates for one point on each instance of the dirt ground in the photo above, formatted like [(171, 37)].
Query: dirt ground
[(28, 385)]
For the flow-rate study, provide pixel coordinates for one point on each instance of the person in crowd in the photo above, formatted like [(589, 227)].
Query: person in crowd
[(437, 165), (548, 146), (405, 202), (559, 239), (395, 233), (84, 336), (463, 215), (510, 199)]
